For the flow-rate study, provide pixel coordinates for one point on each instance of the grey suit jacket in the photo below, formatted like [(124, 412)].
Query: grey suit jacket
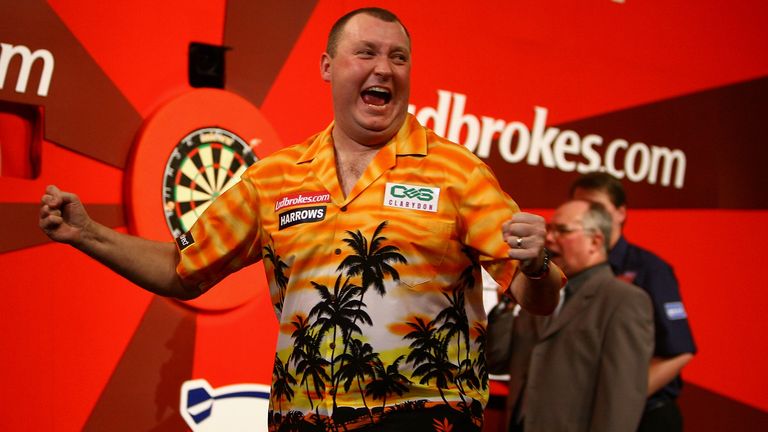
[(585, 369)]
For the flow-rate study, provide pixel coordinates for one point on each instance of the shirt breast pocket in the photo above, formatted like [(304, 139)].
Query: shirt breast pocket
[(427, 244)]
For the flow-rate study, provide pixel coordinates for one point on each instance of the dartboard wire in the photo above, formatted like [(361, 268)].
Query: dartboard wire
[(218, 155), (188, 219), (221, 178), (191, 166), (235, 178), (198, 158), (192, 171), (187, 216), (204, 181), (190, 192), (225, 161), (186, 194), (208, 167), (210, 178)]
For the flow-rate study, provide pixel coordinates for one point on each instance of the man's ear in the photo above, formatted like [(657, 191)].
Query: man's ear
[(598, 240), (325, 67), (621, 212)]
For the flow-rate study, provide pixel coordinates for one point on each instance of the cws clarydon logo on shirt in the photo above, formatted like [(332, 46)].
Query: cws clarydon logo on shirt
[(411, 197)]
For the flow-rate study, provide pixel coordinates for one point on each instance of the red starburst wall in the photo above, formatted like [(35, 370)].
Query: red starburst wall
[(671, 95)]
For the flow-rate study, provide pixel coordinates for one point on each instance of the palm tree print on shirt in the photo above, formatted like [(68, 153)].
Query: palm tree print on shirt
[(279, 267), (338, 319), (371, 262), (388, 381), (282, 383), (339, 311)]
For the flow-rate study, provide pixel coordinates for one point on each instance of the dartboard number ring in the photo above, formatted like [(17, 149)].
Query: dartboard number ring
[(202, 166)]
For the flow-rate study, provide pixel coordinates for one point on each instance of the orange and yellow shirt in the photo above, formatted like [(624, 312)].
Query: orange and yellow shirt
[(378, 294)]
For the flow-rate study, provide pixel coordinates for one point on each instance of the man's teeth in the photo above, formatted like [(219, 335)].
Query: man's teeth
[(376, 96)]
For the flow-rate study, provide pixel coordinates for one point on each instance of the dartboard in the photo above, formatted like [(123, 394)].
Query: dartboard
[(202, 166)]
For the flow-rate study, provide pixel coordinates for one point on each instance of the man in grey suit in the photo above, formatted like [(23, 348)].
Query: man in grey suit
[(584, 368)]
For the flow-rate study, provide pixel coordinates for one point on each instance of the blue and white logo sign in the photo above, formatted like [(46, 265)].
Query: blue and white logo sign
[(675, 311), (238, 407)]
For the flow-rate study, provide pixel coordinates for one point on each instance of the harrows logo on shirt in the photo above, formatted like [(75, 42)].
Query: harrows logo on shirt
[(412, 197), (301, 215)]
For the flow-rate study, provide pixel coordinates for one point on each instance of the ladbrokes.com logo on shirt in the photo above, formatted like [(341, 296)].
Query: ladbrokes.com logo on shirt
[(302, 198)]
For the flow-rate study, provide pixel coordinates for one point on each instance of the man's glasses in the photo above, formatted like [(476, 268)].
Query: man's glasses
[(560, 229)]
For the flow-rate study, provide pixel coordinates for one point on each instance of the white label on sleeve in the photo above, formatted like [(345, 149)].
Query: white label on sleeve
[(675, 311)]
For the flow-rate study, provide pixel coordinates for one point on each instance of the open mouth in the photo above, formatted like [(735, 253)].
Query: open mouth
[(376, 96)]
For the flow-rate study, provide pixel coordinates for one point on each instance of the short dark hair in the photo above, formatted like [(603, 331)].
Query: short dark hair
[(338, 26), (601, 181)]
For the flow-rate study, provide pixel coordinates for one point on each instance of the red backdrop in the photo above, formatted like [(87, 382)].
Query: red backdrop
[(687, 75)]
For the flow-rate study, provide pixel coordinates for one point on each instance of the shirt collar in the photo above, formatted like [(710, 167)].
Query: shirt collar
[(410, 140), (577, 280)]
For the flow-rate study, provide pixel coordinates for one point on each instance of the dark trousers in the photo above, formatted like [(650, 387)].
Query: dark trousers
[(664, 418)]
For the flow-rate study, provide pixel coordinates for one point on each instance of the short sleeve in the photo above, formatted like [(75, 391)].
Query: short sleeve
[(224, 239), (673, 333), (483, 210)]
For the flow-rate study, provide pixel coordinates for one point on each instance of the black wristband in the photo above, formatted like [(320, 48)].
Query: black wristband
[(542, 272)]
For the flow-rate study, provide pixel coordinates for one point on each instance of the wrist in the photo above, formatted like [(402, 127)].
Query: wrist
[(542, 271)]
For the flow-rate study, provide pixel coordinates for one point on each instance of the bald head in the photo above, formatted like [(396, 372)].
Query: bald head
[(338, 26)]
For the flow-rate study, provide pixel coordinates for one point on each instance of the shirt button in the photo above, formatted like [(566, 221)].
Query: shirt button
[(338, 251)]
